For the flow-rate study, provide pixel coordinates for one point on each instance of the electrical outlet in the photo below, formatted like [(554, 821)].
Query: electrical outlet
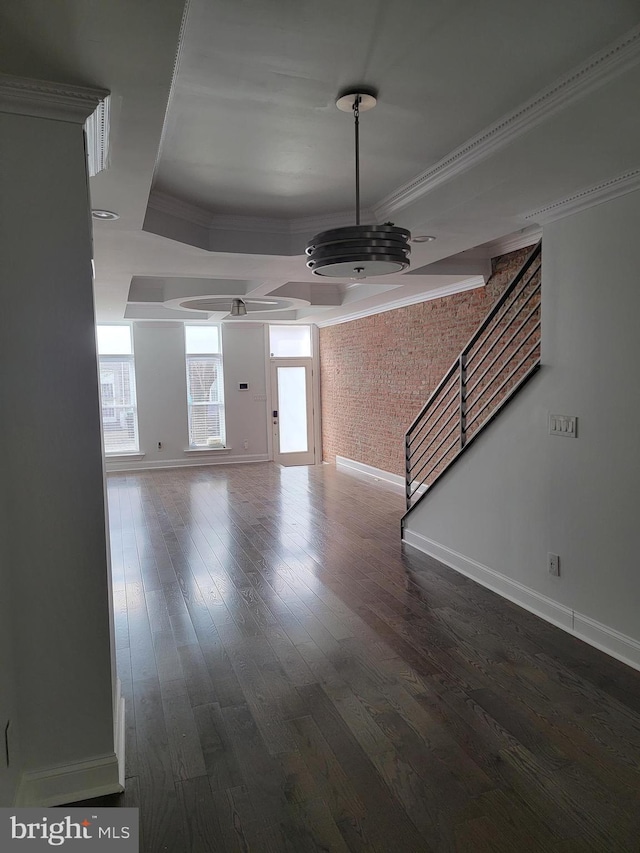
[(554, 565), (159, 445), (245, 444)]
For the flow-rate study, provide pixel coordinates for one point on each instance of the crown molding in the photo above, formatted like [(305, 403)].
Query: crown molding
[(165, 203), (596, 194), (174, 79), (446, 290), (196, 215), (97, 128), (43, 99), (599, 69), (511, 242)]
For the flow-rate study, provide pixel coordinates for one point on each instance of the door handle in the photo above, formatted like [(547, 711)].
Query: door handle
[(275, 414)]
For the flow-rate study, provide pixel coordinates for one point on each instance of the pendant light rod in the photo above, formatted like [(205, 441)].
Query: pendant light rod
[(356, 116)]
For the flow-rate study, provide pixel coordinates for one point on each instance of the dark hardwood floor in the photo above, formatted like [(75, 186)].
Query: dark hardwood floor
[(296, 681)]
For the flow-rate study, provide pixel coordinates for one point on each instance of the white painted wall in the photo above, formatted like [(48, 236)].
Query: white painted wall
[(520, 493), (53, 515), (161, 387), (244, 351)]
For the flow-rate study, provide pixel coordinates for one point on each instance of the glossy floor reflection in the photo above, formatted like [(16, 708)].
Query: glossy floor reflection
[(296, 682)]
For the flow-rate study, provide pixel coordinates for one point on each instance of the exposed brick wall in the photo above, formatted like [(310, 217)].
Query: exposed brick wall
[(377, 372)]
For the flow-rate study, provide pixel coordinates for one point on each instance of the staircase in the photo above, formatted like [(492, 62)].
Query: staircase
[(502, 355)]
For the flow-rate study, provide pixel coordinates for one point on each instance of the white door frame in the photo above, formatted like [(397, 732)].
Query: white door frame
[(303, 458)]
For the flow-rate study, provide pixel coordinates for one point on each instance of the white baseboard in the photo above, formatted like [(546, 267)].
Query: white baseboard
[(148, 465), (69, 783), (119, 731), (608, 640), (350, 466)]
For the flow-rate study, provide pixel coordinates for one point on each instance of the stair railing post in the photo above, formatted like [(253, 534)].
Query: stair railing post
[(463, 399), (407, 488)]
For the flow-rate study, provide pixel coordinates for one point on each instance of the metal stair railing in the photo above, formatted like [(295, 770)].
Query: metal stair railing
[(502, 354)]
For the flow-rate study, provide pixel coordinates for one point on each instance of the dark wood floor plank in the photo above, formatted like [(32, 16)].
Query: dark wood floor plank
[(120, 617), (185, 749), (158, 612), (304, 828), (534, 738), (296, 679), (168, 663), (289, 657), (333, 784), (517, 822), (160, 817), (196, 675), (219, 758), (236, 818), (202, 831), (261, 771), (386, 819)]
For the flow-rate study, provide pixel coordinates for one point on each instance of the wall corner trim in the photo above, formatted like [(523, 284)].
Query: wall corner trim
[(602, 637), (68, 783), (43, 99)]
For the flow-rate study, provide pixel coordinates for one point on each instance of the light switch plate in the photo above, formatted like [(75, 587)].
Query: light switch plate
[(564, 425)]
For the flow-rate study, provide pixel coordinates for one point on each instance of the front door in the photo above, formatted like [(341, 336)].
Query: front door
[(292, 415)]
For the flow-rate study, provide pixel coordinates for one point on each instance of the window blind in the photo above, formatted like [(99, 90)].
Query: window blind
[(117, 390), (206, 400)]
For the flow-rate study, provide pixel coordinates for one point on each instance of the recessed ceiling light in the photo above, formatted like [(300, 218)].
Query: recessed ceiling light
[(423, 238), (104, 214)]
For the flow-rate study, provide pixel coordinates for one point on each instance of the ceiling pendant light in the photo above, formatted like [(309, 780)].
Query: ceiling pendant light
[(358, 251), (238, 308)]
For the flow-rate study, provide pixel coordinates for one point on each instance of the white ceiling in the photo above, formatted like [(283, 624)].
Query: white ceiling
[(487, 112)]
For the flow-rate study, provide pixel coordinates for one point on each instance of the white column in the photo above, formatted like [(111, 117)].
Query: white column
[(56, 579)]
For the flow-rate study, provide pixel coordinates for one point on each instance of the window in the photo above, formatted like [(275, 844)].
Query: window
[(117, 389), (290, 341), (205, 386)]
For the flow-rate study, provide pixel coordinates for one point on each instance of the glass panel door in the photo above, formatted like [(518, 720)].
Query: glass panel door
[(292, 417)]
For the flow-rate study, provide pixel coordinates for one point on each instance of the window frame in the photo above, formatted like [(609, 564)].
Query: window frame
[(308, 326), (119, 408), (218, 360)]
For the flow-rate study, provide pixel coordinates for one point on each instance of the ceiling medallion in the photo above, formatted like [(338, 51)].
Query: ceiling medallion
[(358, 251)]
